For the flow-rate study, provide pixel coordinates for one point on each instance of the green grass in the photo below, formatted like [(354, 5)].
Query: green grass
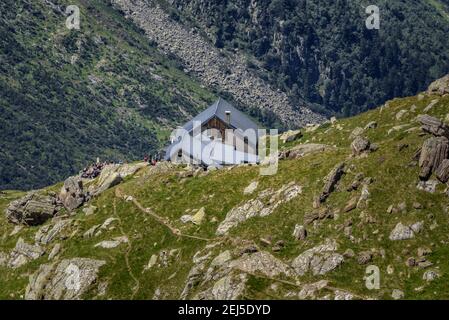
[(168, 196)]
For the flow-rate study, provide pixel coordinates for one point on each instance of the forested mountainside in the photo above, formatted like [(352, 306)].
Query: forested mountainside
[(69, 96), (321, 51)]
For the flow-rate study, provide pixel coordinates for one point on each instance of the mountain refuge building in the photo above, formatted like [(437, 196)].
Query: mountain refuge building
[(220, 135)]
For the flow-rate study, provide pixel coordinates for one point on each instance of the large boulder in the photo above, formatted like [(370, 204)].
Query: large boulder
[(263, 263), (48, 233), (33, 209), (433, 152), (72, 195), (442, 172), (319, 260), (401, 232), (433, 126), (332, 180), (360, 145), (66, 280), (24, 253), (440, 86), (290, 136), (113, 175), (262, 206)]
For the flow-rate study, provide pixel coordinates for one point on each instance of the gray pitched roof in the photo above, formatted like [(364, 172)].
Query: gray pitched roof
[(238, 119)]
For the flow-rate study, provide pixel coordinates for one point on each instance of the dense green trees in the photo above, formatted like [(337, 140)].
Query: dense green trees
[(68, 97), (322, 51)]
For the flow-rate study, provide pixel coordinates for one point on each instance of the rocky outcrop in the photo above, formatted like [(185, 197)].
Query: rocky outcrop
[(360, 145), (229, 287), (110, 244), (303, 150), (331, 181), (24, 253), (33, 209), (227, 72), (442, 172), (290, 136), (66, 280), (263, 263), (48, 233), (319, 260), (440, 86), (258, 207), (401, 232), (300, 233), (434, 151), (310, 290), (433, 126), (72, 195), (112, 175)]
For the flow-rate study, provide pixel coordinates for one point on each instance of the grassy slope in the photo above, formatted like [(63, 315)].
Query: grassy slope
[(218, 192)]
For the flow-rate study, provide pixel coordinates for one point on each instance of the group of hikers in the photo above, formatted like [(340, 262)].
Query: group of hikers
[(150, 159), (94, 170)]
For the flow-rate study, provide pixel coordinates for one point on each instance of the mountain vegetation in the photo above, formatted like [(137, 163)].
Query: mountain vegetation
[(348, 194), (322, 51), (70, 96)]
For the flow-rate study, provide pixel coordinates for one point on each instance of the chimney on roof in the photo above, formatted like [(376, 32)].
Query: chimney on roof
[(228, 117)]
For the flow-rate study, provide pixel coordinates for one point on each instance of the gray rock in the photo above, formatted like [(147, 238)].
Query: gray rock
[(371, 125), (33, 209), (251, 187), (263, 263), (48, 233), (300, 233), (91, 232), (401, 114), (290, 136), (397, 294), (229, 287), (364, 257), (24, 253), (303, 150), (428, 186), (319, 260), (430, 275), (221, 259), (343, 295), (434, 126), (257, 207), (356, 133), (401, 232), (331, 181), (440, 86), (55, 251), (310, 290), (434, 151), (66, 280), (72, 194), (110, 244), (442, 172), (90, 210), (417, 227), (360, 145)]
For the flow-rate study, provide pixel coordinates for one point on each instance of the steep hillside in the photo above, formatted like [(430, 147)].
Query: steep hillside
[(68, 96), (347, 195), (321, 52)]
